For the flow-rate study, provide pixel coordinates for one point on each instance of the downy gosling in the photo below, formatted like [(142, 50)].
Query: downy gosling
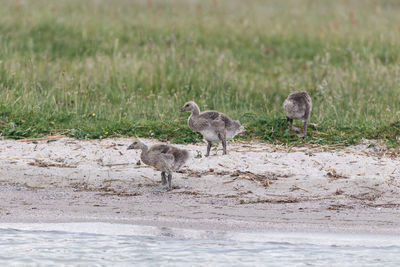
[(164, 158), (213, 125), (298, 106)]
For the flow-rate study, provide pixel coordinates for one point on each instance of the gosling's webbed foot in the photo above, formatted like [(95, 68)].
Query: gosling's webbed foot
[(163, 188), (293, 128)]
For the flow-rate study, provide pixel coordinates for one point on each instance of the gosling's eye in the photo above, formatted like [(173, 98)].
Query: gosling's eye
[(187, 105), (135, 143)]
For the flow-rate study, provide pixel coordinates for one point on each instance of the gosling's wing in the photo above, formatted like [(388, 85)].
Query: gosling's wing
[(169, 159), (199, 124), (160, 148), (214, 119), (228, 122), (210, 115), (165, 152), (299, 103), (161, 161), (180, 157)]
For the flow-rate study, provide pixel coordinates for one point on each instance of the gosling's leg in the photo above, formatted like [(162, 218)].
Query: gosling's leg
[(224, 146), (163, 178), (209, 144), (304, 129), (163, 186), (222, 137), (291, 127), (169, 181)]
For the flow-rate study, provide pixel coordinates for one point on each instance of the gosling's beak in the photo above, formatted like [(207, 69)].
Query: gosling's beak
[(130, 147), (182, 109)]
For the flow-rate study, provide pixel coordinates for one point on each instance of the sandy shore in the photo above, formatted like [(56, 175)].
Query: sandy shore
[(257, 187)]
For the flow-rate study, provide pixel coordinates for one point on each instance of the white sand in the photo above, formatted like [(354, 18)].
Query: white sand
[(256, 187)]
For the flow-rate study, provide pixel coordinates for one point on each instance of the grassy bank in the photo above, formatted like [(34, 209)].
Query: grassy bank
[(93, 69)]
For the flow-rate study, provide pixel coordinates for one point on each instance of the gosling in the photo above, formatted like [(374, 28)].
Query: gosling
[(298, 105), (164, 158), (213, 125)]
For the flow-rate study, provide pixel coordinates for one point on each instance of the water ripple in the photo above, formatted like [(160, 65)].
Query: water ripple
[(47, 245)]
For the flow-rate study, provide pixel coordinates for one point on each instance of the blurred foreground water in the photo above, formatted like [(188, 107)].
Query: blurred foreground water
[(105, 244)]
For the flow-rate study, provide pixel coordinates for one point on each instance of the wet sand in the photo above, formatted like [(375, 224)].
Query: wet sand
[(257, 187)]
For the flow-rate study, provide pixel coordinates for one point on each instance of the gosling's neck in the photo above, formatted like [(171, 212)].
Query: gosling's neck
[(143, 155), (144, 149), (195, 110)]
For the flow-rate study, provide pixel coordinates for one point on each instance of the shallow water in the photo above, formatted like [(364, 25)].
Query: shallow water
[(100, 244)]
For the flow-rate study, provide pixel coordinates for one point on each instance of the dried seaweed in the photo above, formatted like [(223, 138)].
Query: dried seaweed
[(334, 175), (43, 164)]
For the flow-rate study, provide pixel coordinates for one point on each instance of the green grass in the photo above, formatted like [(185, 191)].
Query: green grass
[(133, 64)]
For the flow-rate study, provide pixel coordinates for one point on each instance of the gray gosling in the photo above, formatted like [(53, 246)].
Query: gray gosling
[(164, 158), (298, 106), (213, 125)]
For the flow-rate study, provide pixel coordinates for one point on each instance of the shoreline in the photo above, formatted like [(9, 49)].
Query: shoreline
[(255, 188), (112, 229)]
